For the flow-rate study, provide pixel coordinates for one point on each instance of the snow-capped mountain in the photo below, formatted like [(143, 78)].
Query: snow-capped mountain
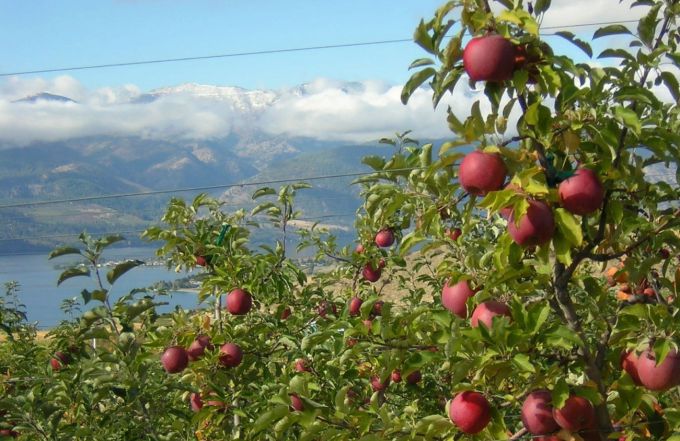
[(241, 99)]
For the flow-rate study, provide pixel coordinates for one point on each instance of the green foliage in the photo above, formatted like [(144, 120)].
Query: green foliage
[(571, 317)]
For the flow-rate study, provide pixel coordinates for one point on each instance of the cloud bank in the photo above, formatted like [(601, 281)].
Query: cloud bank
[(323, 109)]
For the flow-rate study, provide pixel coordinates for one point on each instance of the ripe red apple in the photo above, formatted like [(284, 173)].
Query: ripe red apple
[(201, 261), (489, 58), (480, 172), (582, 193), (485, 312), (301, 365), (576, 414), (377, 308), (629, 364), (355, 306), (470, 412), (536, 227), (296, 403), (230, 355), (378, 385), (368, 323), (175, 359), (384, 238), (285, 313), (454, 234), (239, 302), (662, 377), (537, 413), (371, 274), (359, 249), (664, 253), (59, 360), (197, 347), (454, 297), (396, 376), (325, 307), (9, 433), (195, 401), (414, 377), (649, 292)]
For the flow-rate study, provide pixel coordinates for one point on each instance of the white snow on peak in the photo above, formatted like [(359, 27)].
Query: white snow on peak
[(242, 99)]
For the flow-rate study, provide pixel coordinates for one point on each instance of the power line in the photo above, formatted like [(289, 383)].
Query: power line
[(260, 52), (60, 235), (210, 187)]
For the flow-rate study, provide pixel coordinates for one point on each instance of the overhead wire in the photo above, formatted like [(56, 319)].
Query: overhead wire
[(261, 52)]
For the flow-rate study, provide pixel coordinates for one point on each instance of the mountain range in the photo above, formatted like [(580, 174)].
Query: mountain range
[(81, 167)]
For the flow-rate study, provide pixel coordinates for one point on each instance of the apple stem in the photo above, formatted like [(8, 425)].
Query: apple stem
[(519, 434)]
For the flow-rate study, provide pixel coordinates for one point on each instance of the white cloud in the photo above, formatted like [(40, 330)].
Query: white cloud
[(567, 12), (328, 110)]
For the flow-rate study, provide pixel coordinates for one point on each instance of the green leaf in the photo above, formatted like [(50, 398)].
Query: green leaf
[(647, 26), (61, 251), (121, 269), (375, 162), (260, 208), (523, 362), (671, 82), (569, 226), (99, 294), (628, 118), (615, 29), (266, 419), (416, 80), (661, 349), (264, 191), (420, 62), (616, 53), (77, 271), (585, 47), (108, 240), (422, 37), (560, 393)]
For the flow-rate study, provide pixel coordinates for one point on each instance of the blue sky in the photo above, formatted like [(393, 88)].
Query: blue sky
[(44, 34), (48, 33), (40, 34)]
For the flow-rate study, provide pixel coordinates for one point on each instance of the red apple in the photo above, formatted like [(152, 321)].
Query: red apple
[(9, 432), (536, 226), (359, 249), (351, 342), (355, 306), (489, 58), (371, 274), (576, 414), (470, 412), (454, 297), (301, 365), (662, 377), (285, 313), (664, 253), (485, 312), (197, 347), (195, 402), (377, 308), (175, 359), (537, 413), (582, 193), (368, 323), (454, 234), (59, 360), (384, 238), (629, 364), (649, 292), (201, 261), (325, 307), (230, 355), (396, 376), (239, 302), (480, 172), (378, 385), (414, 377), (296, 403)]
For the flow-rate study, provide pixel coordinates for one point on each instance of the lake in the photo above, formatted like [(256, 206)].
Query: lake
[(42, 297)]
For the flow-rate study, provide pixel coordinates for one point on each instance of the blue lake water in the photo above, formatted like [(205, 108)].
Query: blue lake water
[(42, 297)]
